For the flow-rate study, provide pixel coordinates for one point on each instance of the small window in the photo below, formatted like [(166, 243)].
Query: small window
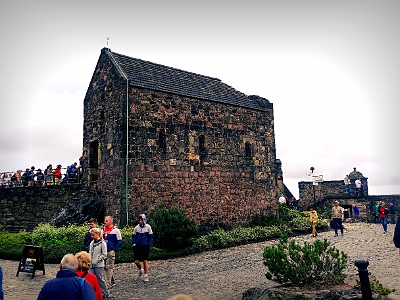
[(247, 150), (93, 160), (162, 143), (202, 143)]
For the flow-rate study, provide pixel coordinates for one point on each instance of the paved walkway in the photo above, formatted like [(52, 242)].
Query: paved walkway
[(224, 274)]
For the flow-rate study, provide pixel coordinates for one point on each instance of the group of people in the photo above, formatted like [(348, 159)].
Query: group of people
[(337, 218), (293, 203), (48, 176), (382, 212), (358, 185), (96, 263)]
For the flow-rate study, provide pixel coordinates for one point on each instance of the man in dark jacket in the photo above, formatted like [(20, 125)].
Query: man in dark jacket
[(396, 236), (88, 238), (67, 285)]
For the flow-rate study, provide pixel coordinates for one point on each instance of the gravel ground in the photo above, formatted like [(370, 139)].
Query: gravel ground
[(224, 274)]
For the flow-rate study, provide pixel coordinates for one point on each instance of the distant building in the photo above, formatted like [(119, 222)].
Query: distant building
[(327, 192)]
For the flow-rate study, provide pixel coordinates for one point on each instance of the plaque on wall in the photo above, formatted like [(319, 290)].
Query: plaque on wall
[(31, 260)]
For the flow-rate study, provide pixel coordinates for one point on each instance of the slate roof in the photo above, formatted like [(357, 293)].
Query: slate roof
[(158, 77)]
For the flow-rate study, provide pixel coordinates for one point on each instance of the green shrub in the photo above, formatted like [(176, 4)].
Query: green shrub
[(302, 224), (172, 228), (291, 263), (264, 221), (218, 239), (12, 244), (286, 214), (47, 234)]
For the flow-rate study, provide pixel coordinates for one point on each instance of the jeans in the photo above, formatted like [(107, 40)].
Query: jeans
[(348, 189), (392, 218), (337, 223), (384, 222), (99, 273)]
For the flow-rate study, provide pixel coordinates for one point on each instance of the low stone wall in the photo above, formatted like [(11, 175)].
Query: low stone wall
[(23, 208)]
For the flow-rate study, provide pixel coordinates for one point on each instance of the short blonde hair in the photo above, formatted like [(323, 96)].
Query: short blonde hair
[(84, 260), (96, 230)]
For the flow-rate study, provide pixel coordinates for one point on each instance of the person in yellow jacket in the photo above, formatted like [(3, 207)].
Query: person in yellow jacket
[(313, 220)]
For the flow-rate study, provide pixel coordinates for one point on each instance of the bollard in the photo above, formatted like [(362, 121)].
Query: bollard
[(364, 280)]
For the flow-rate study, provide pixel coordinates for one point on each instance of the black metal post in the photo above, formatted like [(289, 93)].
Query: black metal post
[(313, 187), (364, 280)]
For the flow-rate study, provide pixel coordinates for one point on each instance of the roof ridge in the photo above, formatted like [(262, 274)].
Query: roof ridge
[(164, 66)]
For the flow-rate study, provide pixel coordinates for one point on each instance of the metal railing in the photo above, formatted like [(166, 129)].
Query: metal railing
[(10, 180)]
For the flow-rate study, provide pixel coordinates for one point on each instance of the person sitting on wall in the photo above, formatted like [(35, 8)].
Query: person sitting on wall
[(57, 175), (72, 172), (39, 178)]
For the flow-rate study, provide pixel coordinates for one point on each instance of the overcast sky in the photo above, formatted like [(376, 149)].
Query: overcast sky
[(331, 69)]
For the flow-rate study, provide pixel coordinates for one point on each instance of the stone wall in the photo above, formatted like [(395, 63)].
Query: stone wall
[(328, 191), (24, 207), (213, 160), (331, 189)]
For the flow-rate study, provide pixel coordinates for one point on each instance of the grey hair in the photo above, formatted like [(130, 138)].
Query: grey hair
[(69, 262)]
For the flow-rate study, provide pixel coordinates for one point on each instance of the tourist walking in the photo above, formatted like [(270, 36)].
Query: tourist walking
[(377, 204), (282, 200), (112, 236), (84, 263), (88, 236), (337, 217), (1, 284), (396, 235), (98, 255), (67, 285), (313, 220), (383, 213), (142, 240), (392, 213), (356, 211)]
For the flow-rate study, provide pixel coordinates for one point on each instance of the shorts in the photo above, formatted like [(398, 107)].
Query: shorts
[(141, 253)]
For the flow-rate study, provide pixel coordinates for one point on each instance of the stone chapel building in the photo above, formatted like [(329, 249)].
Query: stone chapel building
[(159, 135)]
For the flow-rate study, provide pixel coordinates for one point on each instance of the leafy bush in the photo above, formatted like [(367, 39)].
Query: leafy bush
[(218, 239), (12, 244), (302, 224), (286, 214), (47, 234), (297, 265), (260, 220), (172, 228)]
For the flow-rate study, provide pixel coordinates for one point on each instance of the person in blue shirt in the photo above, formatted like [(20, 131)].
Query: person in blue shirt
[(67, 285), (142, 240), (72, 172), (356, 211), (1, 284), (392, 213)]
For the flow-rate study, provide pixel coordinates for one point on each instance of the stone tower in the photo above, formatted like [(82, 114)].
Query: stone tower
[(159, 135)]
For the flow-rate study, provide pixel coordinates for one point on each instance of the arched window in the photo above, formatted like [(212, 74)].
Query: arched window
[(162, 143), (247, 150), (202, 143)]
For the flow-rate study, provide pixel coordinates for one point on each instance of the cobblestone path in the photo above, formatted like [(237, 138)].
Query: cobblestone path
[(224, 274)]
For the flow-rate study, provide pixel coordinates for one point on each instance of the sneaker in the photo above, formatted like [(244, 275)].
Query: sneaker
[(146, 278), (141, 271)]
